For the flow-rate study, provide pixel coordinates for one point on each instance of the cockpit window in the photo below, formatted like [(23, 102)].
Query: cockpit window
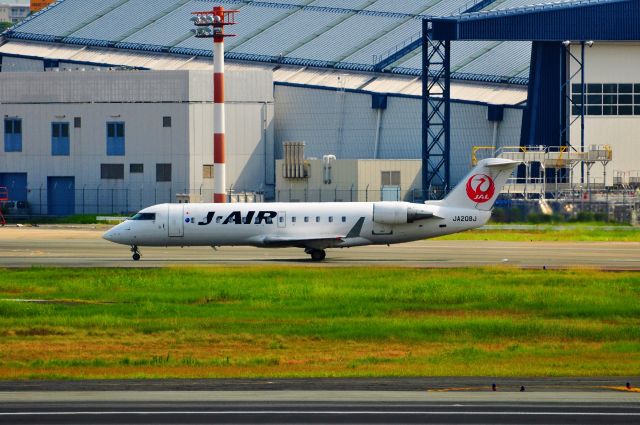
[(144, 216)]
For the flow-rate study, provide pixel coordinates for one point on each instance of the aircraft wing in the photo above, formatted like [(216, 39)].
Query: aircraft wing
[(276, 240)]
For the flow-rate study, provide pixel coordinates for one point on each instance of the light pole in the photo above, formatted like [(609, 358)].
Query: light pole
[(211, 24)]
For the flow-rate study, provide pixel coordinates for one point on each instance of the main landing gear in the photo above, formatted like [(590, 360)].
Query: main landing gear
[(316, 254), (136, 253)]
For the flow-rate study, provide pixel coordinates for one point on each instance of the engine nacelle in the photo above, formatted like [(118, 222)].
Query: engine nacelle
[(398, 213)]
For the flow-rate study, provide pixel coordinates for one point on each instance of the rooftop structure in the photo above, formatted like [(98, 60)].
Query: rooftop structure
[(375, 35)]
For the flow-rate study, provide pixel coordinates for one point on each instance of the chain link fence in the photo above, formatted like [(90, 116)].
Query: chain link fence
[(350, 194), (119, 201), (621, 206)]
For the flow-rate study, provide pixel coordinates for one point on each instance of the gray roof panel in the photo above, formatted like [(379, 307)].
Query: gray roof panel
[(352, 34)]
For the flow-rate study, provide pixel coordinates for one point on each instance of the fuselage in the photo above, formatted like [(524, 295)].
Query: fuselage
[(306, 225), (318, 226)]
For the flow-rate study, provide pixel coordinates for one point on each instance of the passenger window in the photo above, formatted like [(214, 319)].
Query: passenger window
[(281, 219), (218, 219), (293, 219), (306, 219), (317, 219), (269, 220), (330, 219), (344, 219)]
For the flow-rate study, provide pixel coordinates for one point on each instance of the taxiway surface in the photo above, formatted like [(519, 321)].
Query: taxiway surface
[(82, 246), (318, 407)]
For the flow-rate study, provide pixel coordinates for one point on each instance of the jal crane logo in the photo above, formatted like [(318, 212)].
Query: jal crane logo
[(480, 188)]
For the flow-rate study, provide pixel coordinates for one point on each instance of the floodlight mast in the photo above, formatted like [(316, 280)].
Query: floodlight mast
[(211, 25)]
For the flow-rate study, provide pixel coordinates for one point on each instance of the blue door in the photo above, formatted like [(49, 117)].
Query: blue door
[(16, 184), (61, 195)]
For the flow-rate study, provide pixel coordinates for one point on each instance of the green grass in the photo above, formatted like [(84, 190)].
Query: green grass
[(277, 321), (74, 219), (561, 233)]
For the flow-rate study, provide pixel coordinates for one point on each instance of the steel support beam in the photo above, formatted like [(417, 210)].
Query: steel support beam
[(569, 106), (436, 114)]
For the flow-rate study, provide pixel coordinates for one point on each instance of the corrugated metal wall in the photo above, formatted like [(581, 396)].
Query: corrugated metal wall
[(344, 124), (11, 64)]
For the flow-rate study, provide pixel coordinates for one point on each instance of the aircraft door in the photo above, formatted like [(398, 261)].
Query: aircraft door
[(282, 219), (176, 223)]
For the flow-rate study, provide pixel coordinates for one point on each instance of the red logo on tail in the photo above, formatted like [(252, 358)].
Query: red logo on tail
[(480, 188)]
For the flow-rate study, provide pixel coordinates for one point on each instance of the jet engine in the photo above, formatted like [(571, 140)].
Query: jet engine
[(398, 213)]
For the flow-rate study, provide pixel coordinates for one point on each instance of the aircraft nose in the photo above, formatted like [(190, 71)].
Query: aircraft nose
[(110, 235), (116, 234)]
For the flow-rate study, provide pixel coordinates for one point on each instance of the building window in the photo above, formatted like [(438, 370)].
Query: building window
[(163, 172), (606, 99), (77, 122), (625, 110), (112, 171), (136, 168), (13, 135), (60, 139), (166, 122), (390, 178), (115, 138), (207, 171)]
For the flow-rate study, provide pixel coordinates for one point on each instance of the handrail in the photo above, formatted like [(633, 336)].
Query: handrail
[(475, 149), (557, 155)]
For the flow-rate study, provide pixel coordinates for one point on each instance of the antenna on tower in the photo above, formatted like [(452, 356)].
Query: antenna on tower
[(211, 25)]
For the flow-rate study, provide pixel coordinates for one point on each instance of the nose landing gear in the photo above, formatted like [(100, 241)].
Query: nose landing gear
[(136, 253), (316, 254)]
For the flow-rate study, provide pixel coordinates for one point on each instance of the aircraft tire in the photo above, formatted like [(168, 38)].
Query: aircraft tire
[(136, 257), (318, 254)]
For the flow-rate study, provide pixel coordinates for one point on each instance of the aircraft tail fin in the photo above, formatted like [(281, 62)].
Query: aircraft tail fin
[(480, 188)]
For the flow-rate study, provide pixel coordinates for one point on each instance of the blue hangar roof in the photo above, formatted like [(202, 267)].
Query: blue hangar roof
[(601, 20), (364, 35)]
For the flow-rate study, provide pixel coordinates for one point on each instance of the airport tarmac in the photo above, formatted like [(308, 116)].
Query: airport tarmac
[(82, 246), (318, 407)]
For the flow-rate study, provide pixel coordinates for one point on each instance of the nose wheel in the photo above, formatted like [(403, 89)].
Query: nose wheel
[(136, 253), (317, 254)]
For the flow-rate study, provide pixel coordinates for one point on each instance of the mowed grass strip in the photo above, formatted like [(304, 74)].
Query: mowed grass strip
[(551, 233), (279, 322)]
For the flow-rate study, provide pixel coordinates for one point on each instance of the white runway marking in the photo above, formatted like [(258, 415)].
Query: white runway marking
[(305, 412)]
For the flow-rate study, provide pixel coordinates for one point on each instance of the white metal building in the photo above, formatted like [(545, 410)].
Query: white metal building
[(613, 108), (13, 12), (116, 141)]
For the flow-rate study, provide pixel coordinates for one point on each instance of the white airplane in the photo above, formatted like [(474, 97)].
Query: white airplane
[(317, 226)]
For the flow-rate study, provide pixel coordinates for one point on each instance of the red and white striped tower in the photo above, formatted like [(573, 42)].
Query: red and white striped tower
[(217, 19)]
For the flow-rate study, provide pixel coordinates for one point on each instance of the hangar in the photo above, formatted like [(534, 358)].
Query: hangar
[(344, 77)]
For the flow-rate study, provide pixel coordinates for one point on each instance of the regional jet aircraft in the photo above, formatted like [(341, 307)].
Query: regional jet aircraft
[(315, 227)]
